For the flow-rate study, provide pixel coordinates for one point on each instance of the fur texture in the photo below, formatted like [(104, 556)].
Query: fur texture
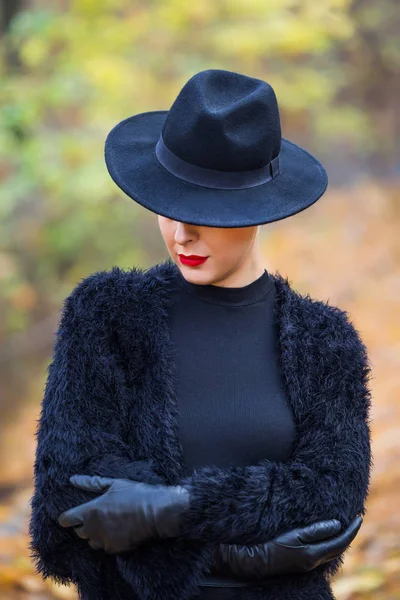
[(109, 409)]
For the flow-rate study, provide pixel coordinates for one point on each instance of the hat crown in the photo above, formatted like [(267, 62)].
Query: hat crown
[(224, 121)]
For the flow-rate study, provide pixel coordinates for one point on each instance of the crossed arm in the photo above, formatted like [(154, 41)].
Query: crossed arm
[(327, 479)]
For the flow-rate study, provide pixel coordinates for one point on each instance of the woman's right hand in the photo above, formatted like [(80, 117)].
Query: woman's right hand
[(295, 551)]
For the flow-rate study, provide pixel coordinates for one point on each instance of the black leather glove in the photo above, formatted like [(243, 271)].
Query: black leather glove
[(127, 514), (295, 551)]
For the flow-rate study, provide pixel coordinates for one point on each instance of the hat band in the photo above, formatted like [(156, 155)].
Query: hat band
[(212, 178)]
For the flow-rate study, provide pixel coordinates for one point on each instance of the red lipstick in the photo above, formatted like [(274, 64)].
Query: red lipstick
[(193, 260)]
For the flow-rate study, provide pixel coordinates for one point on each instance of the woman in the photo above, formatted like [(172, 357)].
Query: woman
[(205, 428)]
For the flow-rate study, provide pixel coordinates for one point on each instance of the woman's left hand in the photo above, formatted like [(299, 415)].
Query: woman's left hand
[(127, 514), (296, 551)]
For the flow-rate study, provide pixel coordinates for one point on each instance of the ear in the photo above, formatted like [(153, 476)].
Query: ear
[(93, 483)]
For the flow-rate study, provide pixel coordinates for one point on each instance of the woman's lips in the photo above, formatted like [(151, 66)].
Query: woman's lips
[(192, 262)]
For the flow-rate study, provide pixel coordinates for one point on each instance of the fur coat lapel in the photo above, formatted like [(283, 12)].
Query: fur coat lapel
[(120, 324)]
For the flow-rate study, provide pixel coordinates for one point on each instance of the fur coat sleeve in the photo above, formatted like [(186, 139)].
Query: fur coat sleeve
[(329, 473), (80, 431)]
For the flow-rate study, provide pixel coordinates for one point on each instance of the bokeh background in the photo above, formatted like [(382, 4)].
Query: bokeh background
[(69, 71)]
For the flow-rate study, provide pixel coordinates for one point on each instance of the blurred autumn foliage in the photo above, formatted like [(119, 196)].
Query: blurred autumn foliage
[(69, 71)]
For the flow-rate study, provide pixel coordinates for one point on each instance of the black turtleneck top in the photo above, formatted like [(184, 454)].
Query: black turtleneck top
[(231, 400)]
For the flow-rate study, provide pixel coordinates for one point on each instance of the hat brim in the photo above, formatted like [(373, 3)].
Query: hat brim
[(132, 163)]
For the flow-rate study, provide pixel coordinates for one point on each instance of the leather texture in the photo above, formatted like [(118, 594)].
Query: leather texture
[(126, 514), (296, 551)]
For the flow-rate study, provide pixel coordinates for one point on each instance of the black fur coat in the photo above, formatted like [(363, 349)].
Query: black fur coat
[(109, 409)]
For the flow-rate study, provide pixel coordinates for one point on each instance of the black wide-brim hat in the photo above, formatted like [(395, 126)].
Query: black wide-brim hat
[(216, 158)]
